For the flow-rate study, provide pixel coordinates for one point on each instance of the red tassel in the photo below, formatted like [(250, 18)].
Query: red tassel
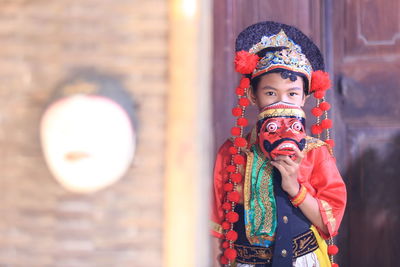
[(234, 196), (244, 101), (325, 106), (225, 244), (237, 111), (235, 131), (232, 217), (330, 142), (242, 122), (316, 111), (231, 235), (236, 177), (223, 260), (239, 91), (233, 150), (227, 206), (245, 62), (240, 142), (320, 81), (238, 159), (326, 123), (228, 187), (319, 94), (244, 83), (333, 249), (226, 225), (231, 168), (230, 253), (335, 265), (316, 129)]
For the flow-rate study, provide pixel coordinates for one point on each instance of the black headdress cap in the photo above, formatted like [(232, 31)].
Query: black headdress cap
[(253, 34)]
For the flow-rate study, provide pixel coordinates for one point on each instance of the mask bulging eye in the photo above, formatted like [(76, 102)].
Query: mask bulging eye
[(297, 126), (271, 127)]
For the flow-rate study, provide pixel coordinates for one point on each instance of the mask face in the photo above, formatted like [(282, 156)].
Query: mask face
[(88, 142), (279, 136)]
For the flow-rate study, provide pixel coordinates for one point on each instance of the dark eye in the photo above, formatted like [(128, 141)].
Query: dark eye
[(297, 126), (269, 93), (292, 94), (272, 127)]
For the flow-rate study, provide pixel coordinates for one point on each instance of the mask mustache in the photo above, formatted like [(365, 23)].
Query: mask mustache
[(269, 147)]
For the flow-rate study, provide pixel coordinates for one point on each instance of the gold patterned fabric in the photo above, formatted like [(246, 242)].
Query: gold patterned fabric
[(290, 57)]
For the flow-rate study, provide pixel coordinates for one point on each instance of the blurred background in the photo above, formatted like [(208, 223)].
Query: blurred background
[(174, 60)]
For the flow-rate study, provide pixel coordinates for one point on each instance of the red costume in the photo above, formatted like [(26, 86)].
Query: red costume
[(318, 173), (269, 229)]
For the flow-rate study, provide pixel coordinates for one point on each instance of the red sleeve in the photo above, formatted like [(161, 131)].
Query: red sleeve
[(220, 175), (330, 190)]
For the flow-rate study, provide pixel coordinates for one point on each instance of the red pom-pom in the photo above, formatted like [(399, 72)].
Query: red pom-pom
[(236, 177), (316, 111), (231, 235), (227, 206), (330, 142), (320, 81), (324, 106), (244, 83), (242, 122), (234, 196), (232, 217), (238, 159), (223, 260), (316, 129), (240, 142), (335, 265), (244, 101), (230, 253), (239, 91), (333, 249), (228, 187), (233, 150), (235, 131), (326, 123), (226, 225), (245, 62), (225, 244), (319, 94), (237, 111), (231, 168)]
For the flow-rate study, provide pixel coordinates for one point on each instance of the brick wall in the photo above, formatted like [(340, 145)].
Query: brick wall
[(42, 42)]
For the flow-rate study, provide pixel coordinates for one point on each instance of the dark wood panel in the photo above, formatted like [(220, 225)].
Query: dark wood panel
[(372, 28), (367, 68), (373, 210)]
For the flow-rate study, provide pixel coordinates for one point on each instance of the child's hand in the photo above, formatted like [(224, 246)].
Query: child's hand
[(289, 170)]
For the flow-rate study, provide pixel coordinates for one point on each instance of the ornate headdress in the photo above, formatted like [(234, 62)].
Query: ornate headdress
[(262, 48)]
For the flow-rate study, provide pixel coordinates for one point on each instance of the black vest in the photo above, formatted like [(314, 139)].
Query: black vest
[(290, 223)]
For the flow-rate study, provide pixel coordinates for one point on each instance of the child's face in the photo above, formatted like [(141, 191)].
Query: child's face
[(273, 88)]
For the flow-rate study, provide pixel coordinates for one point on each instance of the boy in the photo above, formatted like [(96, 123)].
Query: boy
[(271, 210)]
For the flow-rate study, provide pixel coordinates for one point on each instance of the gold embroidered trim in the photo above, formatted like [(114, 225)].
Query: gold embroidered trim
[(216, 227), (304, 244), (265, 200), (329, 214), (281, 112), (313, 143)]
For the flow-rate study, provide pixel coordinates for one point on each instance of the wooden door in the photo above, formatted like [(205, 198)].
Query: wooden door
[(366, 52)]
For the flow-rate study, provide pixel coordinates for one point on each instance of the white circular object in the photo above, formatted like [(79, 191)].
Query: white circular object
[(88, 142)]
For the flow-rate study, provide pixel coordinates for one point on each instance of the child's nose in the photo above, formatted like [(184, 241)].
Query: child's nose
[(283, 98)]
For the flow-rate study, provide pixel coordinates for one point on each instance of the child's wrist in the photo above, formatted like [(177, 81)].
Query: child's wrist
[(299, 198), (294, 190)]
